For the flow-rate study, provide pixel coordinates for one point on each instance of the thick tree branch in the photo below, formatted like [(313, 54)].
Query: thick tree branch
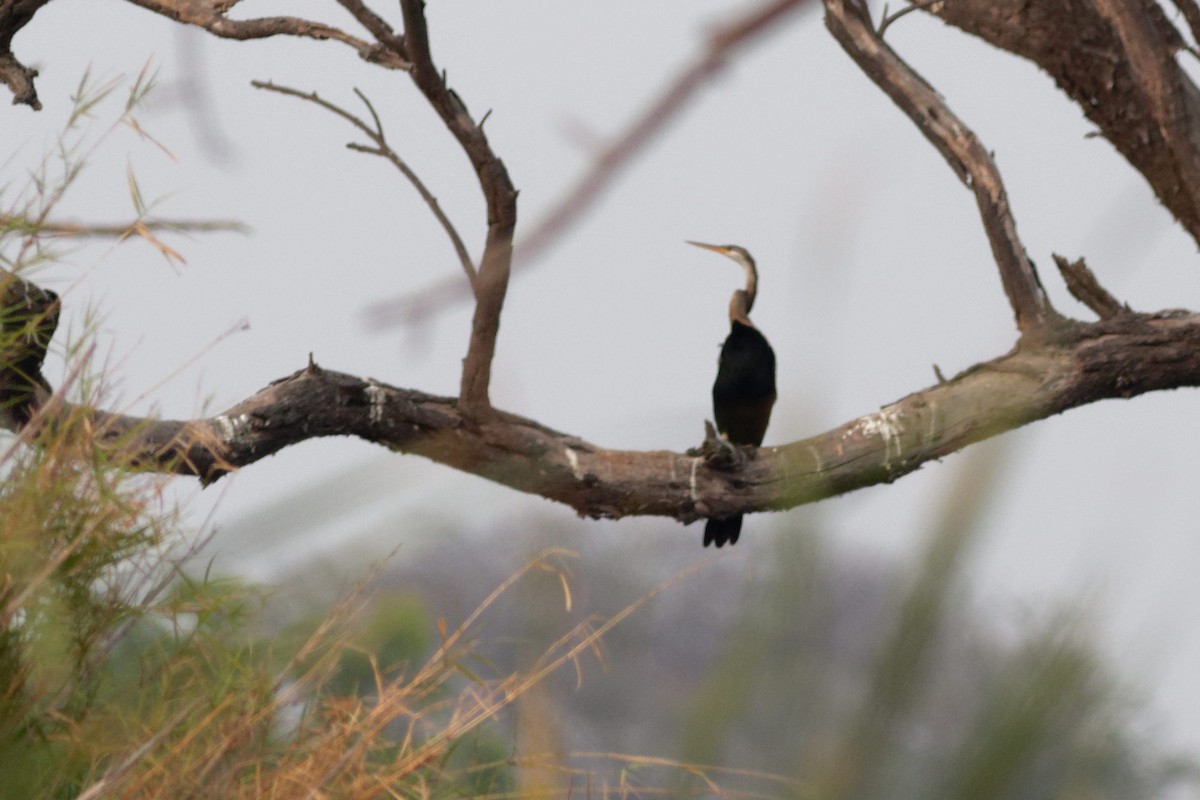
[(1150, 50), (1073, 365), (1191, 13), (850, 25), (1119, 67), (491, 282)]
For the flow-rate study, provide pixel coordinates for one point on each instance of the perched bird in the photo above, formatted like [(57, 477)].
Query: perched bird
[(744, 391)]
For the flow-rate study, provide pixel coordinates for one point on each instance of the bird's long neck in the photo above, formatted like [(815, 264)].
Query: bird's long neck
[(743, 299), (739, 307)]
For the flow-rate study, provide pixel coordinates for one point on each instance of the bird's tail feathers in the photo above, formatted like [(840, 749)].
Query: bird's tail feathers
[(724, 531)]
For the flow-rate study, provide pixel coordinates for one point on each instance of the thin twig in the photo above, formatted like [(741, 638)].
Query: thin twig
[(886, 20), (371, 108), (384, 150), (610, 162), (957, 143)]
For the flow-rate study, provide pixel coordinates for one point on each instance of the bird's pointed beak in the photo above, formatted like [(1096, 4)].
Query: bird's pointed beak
[(716, 248)]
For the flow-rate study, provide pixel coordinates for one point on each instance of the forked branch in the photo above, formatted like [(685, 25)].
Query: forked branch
[(374, 132)]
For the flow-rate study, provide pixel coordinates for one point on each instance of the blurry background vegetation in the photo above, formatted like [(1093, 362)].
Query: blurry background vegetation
[(501, 667)]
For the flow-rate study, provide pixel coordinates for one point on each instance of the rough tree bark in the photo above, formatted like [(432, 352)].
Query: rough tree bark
[(1115, 58)]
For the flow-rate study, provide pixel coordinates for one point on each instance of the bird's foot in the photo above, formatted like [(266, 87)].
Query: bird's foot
[(719, 453)]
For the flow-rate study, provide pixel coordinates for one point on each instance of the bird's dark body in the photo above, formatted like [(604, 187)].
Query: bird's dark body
[(744, 390), (743, 396)]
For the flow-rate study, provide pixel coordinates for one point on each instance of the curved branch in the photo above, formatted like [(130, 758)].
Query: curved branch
[(958, 144), (1074, 364), (491, 282)]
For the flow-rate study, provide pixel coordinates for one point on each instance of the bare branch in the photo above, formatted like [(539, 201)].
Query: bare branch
[(1086, 289), (722, 46), (382, 148), (491, 282), (208, 16), (962, 150), (1075, 364)]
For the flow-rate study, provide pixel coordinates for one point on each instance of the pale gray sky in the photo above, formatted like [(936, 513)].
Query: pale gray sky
[(874, 267)]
